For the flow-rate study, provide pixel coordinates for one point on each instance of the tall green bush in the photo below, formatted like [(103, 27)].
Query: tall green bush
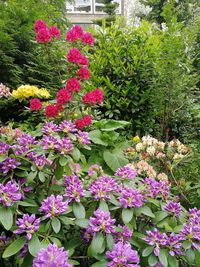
[(146, 74)]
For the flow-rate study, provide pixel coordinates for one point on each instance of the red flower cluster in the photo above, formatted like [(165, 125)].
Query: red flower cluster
[(82, 122), (73, 85), (63, 96), (51, 110), (93, 97), (75, 56), (35, 104), (77, 33), (45, 35), (83, 74)]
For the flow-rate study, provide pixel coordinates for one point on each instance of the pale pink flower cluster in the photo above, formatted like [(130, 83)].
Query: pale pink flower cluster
[(4, 90), (143, 168)]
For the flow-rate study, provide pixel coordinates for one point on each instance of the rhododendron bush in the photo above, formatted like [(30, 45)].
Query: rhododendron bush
[(71, 194)]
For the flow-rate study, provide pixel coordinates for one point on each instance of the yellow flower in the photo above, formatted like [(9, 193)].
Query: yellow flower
[(27, 91), (136, 139)]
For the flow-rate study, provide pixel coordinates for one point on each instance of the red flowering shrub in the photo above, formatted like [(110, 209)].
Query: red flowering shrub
[(55, 32), (93, 97), (84, 74), (35, 104), (51, 111), (43, 34), (39, 24), (87, 38), (63, 96), (74, 34), (73, 85)]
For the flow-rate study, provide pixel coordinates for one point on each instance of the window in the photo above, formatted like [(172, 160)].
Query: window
[(80, 6)]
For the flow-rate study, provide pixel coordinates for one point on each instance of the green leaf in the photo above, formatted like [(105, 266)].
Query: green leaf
[(160, 215), (127, 215), (190, 255), (76, 154), (56, 225), (34, 245), (197, 257), (147, 251), (78, 210), (97, 243), (66, 220), (31, 176), (41, 177), (114, 160), (6, 217), (186, 244), (73, 262), (83, 223), (146, 211), (111, 125), (59, 171), (63, 161), (163, 257), (103, 205), (14, 247), (152, 260), (27, 204), (56, 241), (99, 264), (2, 158), (97, 138), (109, 241), (172, 261)]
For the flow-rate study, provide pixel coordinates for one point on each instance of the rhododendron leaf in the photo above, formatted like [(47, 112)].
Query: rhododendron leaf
[(152, 260), (2, 158), (160, 215), (97, 243), (97, 138), (31, 176), (27, 204), (56, 241), (127, 215), (6, 217), (83, 223), (190, 255), (14, 247), (59, 171), (41, 177), (100, 264), (147, 251), (56, 225), (78, 210), (34, 245), (197, 257), (114, 161), (103, 205), (21, 174), (163, 257), (109, 241), (172, 261), (111, 125), (66, 220), (63, 161), (76, 154), (146, 211), (73, 262)]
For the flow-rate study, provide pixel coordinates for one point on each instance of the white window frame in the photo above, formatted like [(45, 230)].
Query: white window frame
[(73, 6)]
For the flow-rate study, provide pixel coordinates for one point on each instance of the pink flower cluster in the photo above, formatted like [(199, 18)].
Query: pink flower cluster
[(75, 56), (82, 122), (45, 34), (77, 33), (93, 97)]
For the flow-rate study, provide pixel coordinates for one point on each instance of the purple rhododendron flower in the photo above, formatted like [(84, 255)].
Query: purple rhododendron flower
[(64, 146), (74, 188), (26, 140), (173, 208), (9, 193), (83, 138), (50, 142), (155, 188), (191, 232), (156, 239), (194, 216), (67, 127), (49, 128), (9, 164), (28, 224), (131, 198), (126, 173), (52, 256), (4, 147), (122, 234), (123, 255), (53, 206), (174, 244), (102, 187), (100, 222)]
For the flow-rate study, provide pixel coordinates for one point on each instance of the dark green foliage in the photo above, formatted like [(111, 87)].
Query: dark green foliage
[(21, 59), (140, 69)]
